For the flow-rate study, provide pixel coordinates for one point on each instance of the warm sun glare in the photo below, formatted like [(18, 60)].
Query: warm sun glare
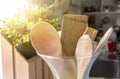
[(9, 7)]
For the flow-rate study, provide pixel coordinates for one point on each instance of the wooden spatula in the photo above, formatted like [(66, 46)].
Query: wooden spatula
[(83, 54), (73, 27), (92, 32)]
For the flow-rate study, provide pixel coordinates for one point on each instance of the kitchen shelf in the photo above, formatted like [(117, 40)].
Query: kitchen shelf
[(101, 13), (98, 9), (100, 5)]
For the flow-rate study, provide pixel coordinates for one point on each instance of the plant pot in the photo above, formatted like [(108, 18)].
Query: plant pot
[(21, 62), (26, 51)]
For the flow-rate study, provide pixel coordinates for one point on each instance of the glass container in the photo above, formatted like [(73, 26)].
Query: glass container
[(68, 67)]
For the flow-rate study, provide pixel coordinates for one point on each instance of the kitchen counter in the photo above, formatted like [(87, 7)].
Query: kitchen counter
[(106, 69), (95, 78), (102, 78)]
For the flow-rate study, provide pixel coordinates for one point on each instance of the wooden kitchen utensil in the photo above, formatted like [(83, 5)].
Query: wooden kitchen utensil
[(45, 39), (84, 49), (73, 27), (84, 46), (98, 51), (46, 42), (92, 32)]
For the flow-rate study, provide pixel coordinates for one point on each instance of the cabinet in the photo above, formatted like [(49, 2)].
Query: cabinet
[(100, 9)]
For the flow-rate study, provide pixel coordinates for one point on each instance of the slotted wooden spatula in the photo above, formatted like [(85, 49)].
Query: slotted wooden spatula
[(73, 27)]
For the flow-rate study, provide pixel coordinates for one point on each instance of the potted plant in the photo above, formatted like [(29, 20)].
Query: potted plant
[(18, 27), (16, 48)]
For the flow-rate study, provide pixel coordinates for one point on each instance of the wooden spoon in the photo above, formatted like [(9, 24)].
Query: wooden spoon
[(46, 42), (83, 54), (45, 39)]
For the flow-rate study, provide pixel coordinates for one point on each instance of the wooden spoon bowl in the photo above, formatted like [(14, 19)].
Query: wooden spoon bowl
[(45, 39)]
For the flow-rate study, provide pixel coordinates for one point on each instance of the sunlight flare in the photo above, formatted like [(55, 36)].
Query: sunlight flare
[(9, 8)]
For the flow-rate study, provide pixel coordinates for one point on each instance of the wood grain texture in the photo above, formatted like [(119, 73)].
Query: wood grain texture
[(24, 69), (16, 66), (46, 71), (73, 27), (32, 67), (39, 68), (92, 32), (7, 58), (21, 67), (51, 75)]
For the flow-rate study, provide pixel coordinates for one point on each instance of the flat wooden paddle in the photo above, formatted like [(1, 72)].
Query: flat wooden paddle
[(73, 27), (92, 32)]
